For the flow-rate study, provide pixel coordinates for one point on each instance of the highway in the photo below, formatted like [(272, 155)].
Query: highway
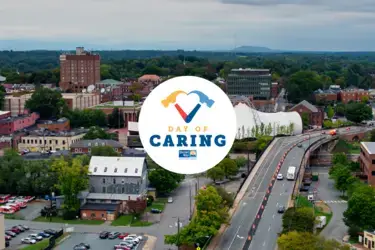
[(235, 236)]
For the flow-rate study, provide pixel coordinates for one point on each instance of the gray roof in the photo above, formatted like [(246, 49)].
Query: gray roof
[(110, 82), (307, 105), (134, 152), (2, 79), (100, 206), (96, 143), (369, 146)]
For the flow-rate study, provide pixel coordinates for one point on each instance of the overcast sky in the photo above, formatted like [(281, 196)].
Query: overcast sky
[(338, 25)]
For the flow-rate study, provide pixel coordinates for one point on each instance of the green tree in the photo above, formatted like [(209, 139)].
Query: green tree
[(72, 179), (342, 176), (229, 167), (216, 173), (340, 109), (365, 99), (340, 158), (116, 119), (330, 112), (47, 102), (372, 135), (305, 119), (2, 96), (241, 162), (163, 180), (298, 219), (96, 133), (261, 144), (358, 112), (86, 118), (301, 84), (104, 151)]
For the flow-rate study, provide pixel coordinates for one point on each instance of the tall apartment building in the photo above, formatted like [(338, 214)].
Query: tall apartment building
[(250, 82), (79, 71)]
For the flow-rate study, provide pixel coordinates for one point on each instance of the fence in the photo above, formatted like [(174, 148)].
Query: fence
[(52, 240)]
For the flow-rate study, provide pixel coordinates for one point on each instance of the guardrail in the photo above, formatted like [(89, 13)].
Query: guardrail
[(52, 240)]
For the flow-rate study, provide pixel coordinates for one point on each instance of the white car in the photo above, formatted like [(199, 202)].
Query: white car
[(35, 237), (170, 200), (28, 241), (139, 237), (128, 238), (280, 177)]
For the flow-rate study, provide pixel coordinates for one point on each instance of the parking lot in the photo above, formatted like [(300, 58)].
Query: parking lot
[(32, 210), (15, 243), (94, 241)]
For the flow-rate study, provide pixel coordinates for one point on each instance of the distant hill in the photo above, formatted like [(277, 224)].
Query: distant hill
[(252, 49)]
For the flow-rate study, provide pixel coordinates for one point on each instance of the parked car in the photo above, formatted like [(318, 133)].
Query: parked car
[(28, 241), (50, 231), (113, 235), (24, 227), (139, 237), (21, 229), (280, 177), (15, 230), (170, 199), (29, 198), (124, 246), (10, 233), (281, 209), (155, 211), (135, 239), (7, 237), (35, 237), (122, 235), (44, 235), (103, 235), (81, 246)]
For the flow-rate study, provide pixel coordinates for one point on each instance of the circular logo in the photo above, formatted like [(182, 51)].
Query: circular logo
[(187, 125)]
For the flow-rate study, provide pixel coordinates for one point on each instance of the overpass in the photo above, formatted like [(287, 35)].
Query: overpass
[(255, 223)]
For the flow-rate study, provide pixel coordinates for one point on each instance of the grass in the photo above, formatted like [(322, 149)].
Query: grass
[(14, 217), (61, 220), (158, 204), (128, 220), (347, 147)]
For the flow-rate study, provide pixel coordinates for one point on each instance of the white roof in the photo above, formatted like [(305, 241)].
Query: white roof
[(133, 126), (121, 197), (116, 166)]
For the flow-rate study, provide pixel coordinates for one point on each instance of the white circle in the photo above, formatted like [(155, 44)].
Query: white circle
[(215, 116)]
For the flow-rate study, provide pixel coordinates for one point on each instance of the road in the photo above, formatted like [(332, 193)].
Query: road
[(235, 236)]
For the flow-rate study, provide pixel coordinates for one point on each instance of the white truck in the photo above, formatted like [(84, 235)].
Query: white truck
[(291, 174)]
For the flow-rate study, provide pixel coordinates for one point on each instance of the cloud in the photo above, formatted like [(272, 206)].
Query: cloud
[(191, 24)]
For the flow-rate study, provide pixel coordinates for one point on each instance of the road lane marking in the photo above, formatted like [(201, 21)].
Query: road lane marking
[(264, 243), (277, 204), (269, 228), (234, 237), (273, 216)]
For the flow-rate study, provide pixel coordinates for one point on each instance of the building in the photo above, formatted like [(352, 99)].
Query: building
[(352, 94), (369, 240), (2, 231), (4, 114), (367, 161), (112, 90), (250, 82), (117, 180), (11, 124), (100, 211), (43, 140), (131, 152), (133, 139), (84, 146), (81, 100), (79, 71), (62, 124), (314, 114), (16, 103), (274, 89), (325, 96), (154, 79), (2, 79)]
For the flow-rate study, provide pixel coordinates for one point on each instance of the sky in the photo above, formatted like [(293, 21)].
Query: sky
[(313, 25)]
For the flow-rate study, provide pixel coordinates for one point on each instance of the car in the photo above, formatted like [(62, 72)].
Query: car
[(50, 231), (132, 239), (10, 233), (170, 199), (155, 211), (7, 237), (24, 227), (21, 229), (15, 230), (281, 209), (28, 241), (35, 237), (124, 246), (139, 237), (280, 177), (113, 235), (299, 145), (44, 235), (81, 246), (122, 235), (103, 235)]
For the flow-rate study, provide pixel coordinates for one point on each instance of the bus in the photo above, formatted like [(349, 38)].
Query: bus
[(291, 173)]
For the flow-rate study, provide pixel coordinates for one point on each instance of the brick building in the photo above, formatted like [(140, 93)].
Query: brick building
[(62, 124), (84, 146), (79, 71), (81, 100), (274, 89), (324, 96), (10, 124), (367, 161), (100, 211), (315, 115), (352, 94)]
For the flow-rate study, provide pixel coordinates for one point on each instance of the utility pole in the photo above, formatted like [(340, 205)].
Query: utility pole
[(190, 215), (248, 160), (178, 233)]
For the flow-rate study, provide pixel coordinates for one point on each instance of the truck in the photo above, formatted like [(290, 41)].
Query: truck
[(291, 174)]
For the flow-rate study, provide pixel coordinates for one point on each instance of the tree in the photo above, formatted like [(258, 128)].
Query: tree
[(104, 151), (298, 219), (72, 179), (216, 173), (47, 102), (163, 180), (227, 197), (305, 119), (372, 135), (308, 241), (342, 176), (365, 99), (340, 109), (241, 162), (116, 119), (330, 112), (229, 167), (86, 118), (96, 133), (301, 84), (261, 144), (358, 112), (2, 96), (340, 158)]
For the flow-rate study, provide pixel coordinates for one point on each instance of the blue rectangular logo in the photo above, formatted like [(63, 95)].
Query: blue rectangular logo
[(187, 154)]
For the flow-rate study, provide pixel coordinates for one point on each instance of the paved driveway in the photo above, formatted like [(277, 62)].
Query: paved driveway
[(336, 229)]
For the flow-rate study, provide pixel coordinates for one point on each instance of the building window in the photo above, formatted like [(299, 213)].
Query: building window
[(373, 161), (373, 173), (373, 244), (103, 190), (95, 169), (115, 170), (126, 170), (365, 241), (102, 215), (136, 170), (123, 190), (114, 181), (63, 142), (123, 181), (105, 169), (93, 215), (103, 180)]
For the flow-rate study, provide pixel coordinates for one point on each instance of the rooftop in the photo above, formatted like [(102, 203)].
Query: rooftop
[(369, 146), (76, 95), (110, 82), (116, 166), (327, 91), (149, 77), (61, 120), (131, 152), (100, 206), (95, 143), (15, 118), (307, 105), (120, 197), (44, 132), (251, 70)]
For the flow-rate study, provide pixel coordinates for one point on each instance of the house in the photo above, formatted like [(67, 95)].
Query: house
[(117, 180), (314, 114), (325, 96), (100, 211), (84, 146)]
